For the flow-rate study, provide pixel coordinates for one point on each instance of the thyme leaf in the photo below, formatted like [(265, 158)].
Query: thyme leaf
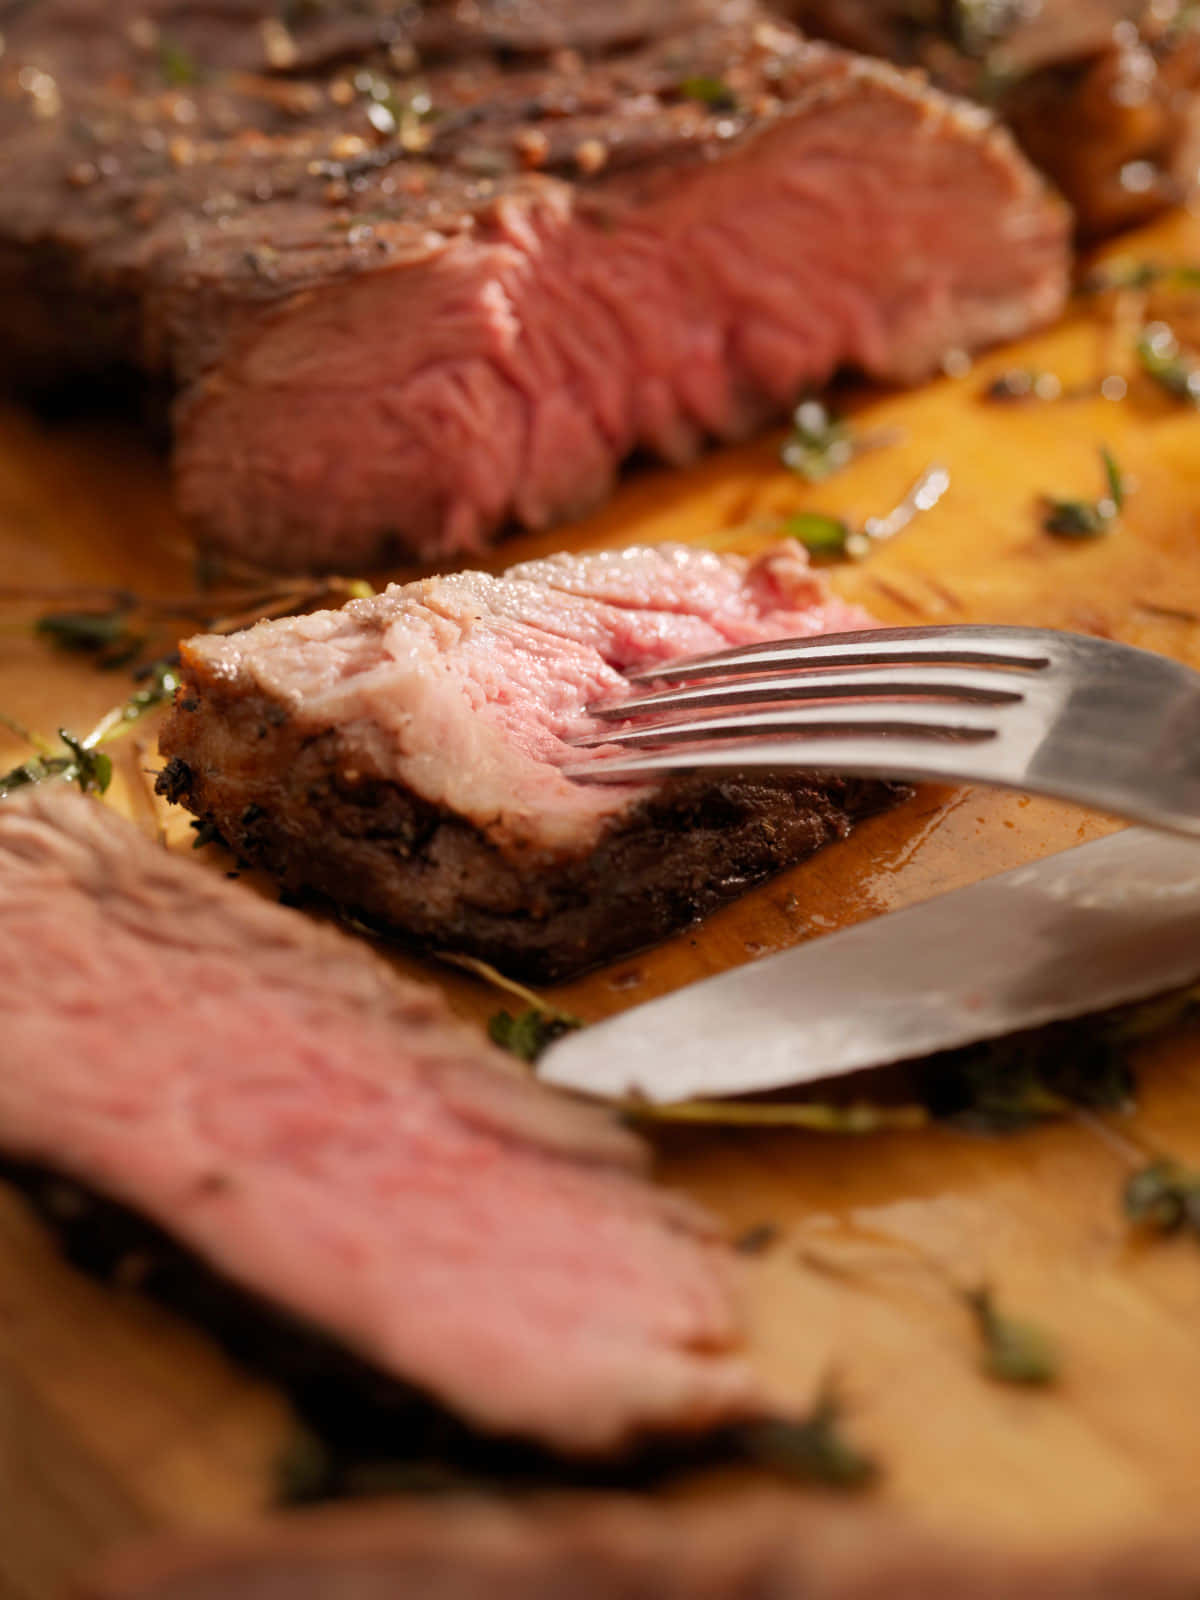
[(1088, 519), (813, 1447), (529, 1032), (1165, 1195), (819, 534), (1014, 1351), (1161, 357), (709, 91)]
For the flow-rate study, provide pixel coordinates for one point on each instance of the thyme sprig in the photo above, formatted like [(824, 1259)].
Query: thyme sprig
[(1088, 519), (824, 535), (81, 760)]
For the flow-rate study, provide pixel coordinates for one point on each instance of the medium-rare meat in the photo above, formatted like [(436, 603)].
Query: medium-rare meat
[(403, 755), (1104, 95), (405, 307), (333, 1140)]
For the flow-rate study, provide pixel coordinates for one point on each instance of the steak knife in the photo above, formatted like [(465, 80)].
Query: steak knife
[(1100, 925)]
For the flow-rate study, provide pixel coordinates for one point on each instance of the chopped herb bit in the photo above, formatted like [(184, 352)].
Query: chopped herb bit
[(710, 92), (820, 535), (819, 444), (1087, 519), (1126, 274), (1023, 383), (812, 1448), (757, 1239), (176, 66), (1164, 1195), (103, 634), (530, 1032), (1014, 1351), (1161, 357)]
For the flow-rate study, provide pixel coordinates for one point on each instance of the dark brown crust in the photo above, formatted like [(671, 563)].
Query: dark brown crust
[(411, 869), (742, 1546)]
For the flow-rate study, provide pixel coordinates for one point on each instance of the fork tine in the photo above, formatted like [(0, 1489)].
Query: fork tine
[(858, 754), (1004, 648), (922, 681), (964, 722)]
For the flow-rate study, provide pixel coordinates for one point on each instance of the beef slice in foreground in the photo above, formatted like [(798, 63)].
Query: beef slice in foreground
[(745, 1545), (405, 307), (402, 756), (332, 1140)]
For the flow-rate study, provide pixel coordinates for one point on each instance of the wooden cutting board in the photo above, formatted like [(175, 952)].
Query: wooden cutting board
[(114, 1417)]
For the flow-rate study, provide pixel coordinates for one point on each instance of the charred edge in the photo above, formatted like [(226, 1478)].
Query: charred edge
[(374, 850), (365, 1432)]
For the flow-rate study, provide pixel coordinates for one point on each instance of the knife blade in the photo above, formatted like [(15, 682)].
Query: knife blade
[(1100, 925)]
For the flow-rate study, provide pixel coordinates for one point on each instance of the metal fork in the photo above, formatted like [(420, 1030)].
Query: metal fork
[(1106, 725)]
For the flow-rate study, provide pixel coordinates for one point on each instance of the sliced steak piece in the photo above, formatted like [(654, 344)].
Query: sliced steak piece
[(404, 311), (402, 755), (1104, 95), (333, 1140)]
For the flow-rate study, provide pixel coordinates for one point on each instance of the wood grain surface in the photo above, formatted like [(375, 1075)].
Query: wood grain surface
[(114, 1417)]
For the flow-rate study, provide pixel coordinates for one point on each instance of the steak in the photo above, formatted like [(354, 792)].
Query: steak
[(332, 1140), (1104, 95), (402, 756), (406, 300)]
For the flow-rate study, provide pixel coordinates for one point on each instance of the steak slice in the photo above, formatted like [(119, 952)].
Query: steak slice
[(1104, 95), (405, 308), (332, 1139), (402, 755)]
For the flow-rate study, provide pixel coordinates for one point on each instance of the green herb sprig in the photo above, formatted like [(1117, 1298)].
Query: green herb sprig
[(77, 763), (1162, 358), (1165, 1195), (80, 760), (712, 92), (527, 1034), (823, 535), (105, 635), (813, 1448), (1014, 1351), (1088, 519)]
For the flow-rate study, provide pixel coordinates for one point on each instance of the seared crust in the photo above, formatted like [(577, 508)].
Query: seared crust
[(416, 871)]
